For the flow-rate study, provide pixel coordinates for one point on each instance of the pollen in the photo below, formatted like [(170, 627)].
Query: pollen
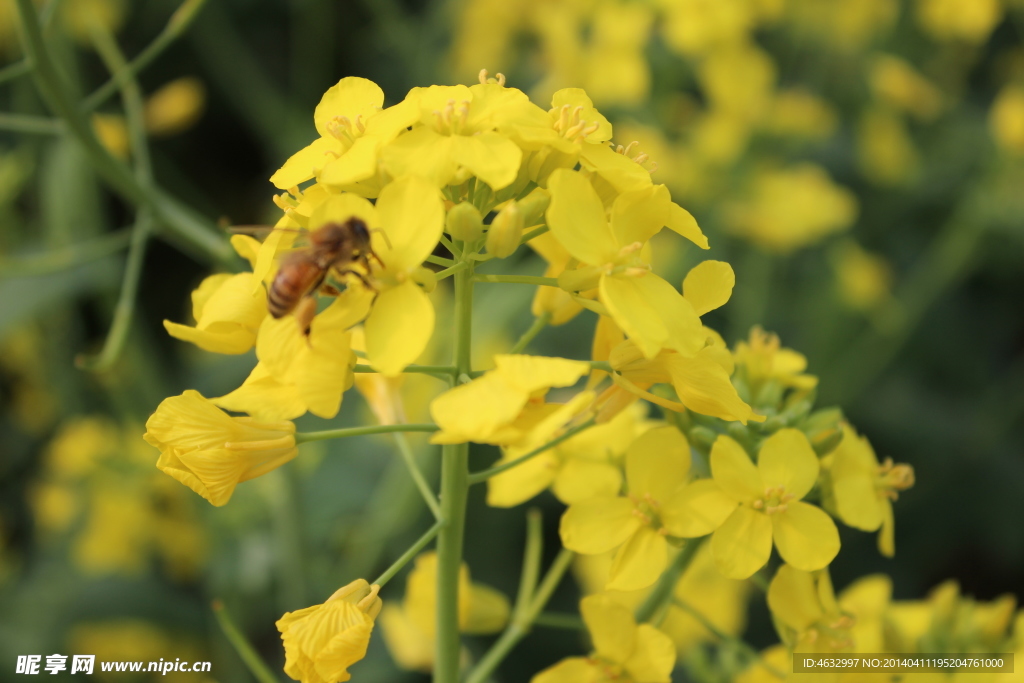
[(571, 126), (641, 158), (452, 119), (499, 78)]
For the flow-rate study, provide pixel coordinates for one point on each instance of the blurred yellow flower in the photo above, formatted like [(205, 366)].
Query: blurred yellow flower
[(786, 209), (322, 641), (623, 649), (696, 27), (747, 506), (762, 359), (806, 611), (79, 16), (657, 464), (409, 629), (885, 151), (799, 113), (964, 20), (126, 639), (1006, 119), (175, 106), (210, 452), (617, 72), (864, 278), (505, 406), (862, 490), (897, 83), (845, 24), (739, 80)]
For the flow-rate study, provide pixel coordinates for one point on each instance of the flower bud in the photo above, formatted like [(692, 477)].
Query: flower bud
[(534, 205), (465, 223), (505, 231)]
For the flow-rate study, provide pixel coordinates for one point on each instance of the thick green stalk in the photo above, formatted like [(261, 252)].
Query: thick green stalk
[(454, 491)]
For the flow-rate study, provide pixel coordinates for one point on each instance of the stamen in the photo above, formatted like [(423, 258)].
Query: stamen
[(641, 158), (499, 78), (629, 148), (650, 501), (757, 504)]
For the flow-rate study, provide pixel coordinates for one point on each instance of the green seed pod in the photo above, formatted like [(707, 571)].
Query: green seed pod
[(465, 223), (505, 231)]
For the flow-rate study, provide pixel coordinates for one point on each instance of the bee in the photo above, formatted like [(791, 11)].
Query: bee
[(333, 249)]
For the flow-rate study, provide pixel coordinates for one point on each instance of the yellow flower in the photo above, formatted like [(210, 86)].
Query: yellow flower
[(210, 452), (505, 406), (970, 21), (898, 83), (845, 24), (738, 81), (806, 612), (585, 465), (352, 128), (762, 359), (792, 208), (322, 641), (801, 114), (864, 278), (116, 534), (455, 136), (616, 67), (409, 630), (862, 491), (748, 506), (623, 650), (175, 107), (696, 27), (885, 150), (649, 310), (638, 523), (1006, 119)]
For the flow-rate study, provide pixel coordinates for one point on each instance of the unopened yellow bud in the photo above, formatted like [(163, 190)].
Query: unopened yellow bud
[(175, 107), (425, 278), (465, 223), (505, 231), (534, 205)]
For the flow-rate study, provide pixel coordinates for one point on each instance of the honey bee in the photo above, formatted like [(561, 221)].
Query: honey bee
[(333, 248)]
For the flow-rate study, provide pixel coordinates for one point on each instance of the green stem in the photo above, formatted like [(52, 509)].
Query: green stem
[(29, 265), (519, 280), (440, 261), (555, 620), (443, 370), (662, 593), (518, 628), (409, 554), (452, 270), (531, 563), (121, 324), (450, 246), (305, 437), (259, 669), (176, 26), (740, 644), (539, 324), (454, 494), (409, 458), (484, 475), (12, 71), (23, 123)]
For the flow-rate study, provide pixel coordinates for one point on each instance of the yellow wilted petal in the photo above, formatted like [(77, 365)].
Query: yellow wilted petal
[(263, 397), (743, 543), (611, 625), (579, 480), (793, 598), (489, 156), (351, 97), (305, 163), (697, 509), (228, 313), (653, 657), (806, 537), (657, 463), (786, 459), (598, 524), (577, 218), (219, 470), (733, 471), (488, 612), (709, 285), (398, 328), (530, 373), (633, 311), (412, 214), (639, 561)]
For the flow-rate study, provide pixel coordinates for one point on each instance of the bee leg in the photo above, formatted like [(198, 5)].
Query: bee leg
[(329, 290), (362, 278), (304, 313)]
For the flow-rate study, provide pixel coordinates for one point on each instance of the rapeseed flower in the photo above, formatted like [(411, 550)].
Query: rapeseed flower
[(623, 650), (409, 630), (864, 279), (748, 505), (1006, 119), (657, 464), (505, 406), (211, 452), (969, 21), (861, 491), (762, 360), (806, 612), (322, 641), (885, 151)]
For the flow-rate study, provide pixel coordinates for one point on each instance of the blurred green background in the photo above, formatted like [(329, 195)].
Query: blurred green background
[(859, 162)]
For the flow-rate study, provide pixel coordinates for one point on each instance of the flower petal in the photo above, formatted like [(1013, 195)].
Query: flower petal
[(338, 208), (709, 285), (639, 561), (598, 524), (399, 328), (611, 625), (357, 164), (634, 312), (704, 387), (577, 218), (351, 97), (743, 543), (696, 510), (263, 397), (305, 163), (422, 152), (653, 658), (531, 373), (580, 479), (793, 598), (805, 535), (733, 471), (491, 157), (638, 215), (524, 481), (657, 463), (489, 610), (474, 411), (681, 222), (569, 670), (412, 214), (786, 459)]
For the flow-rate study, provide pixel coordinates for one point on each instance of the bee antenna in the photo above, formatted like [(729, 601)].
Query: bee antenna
[(384, 235)]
